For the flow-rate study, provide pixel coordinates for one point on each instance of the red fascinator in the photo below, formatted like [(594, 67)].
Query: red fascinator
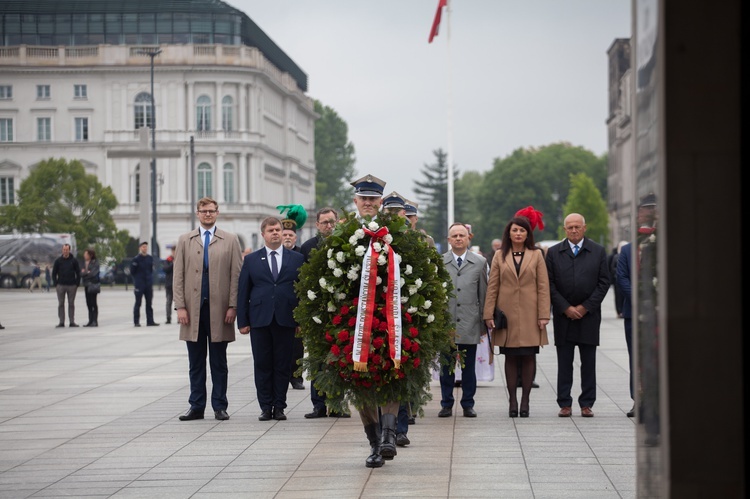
[(534, 216)]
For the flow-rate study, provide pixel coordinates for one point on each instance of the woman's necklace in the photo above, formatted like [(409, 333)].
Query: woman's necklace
[(518, 253)]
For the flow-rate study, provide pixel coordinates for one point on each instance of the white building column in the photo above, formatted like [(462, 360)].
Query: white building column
[(190, 105), (217, 108), (219, 194), (242, 107), (242, 178)]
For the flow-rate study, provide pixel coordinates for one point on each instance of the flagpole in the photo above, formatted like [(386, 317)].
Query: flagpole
[(450, 113)]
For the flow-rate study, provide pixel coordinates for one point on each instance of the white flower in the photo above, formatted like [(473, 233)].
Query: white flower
[(317, 320), (418, 282), (401, 283), (340, 296), (377, 247), (311, 296), (352, 275), (356, 267), (388, 239), (373, 226), (404, 300), (428, 260), (322, 282), (382, 259), (330, 252), (652, 238), (359, 250), (427, 304), (430, 318), (338, 272), (385, 289), (378, 280), (330, 289), (331, 264), (409, 269), (359, 233), (353, 240), (411, 310), (331, 307), (445, 284), (398, 258), (412, 290), (340, 256)]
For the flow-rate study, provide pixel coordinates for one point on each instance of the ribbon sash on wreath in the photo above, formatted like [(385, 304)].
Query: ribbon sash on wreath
[(366, 306)]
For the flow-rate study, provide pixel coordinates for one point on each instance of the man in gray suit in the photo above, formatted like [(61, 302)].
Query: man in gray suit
[(468, 271)]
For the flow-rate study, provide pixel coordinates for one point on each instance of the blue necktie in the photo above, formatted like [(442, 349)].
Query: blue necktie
[(575, 250), (274, 265), (459, 261), (206, 241)]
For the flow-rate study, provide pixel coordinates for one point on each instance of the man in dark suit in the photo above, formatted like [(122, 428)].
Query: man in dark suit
[(289, 228), (142, 271), (578, 281), (266, 302)]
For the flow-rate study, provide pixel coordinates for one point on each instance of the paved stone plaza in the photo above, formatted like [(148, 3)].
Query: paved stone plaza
[(92, 412)]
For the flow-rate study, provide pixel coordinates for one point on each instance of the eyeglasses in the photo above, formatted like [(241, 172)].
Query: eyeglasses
[(327, 222), (208, 212)]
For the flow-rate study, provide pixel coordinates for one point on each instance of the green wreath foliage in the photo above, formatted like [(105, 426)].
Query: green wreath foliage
[(328, 291)]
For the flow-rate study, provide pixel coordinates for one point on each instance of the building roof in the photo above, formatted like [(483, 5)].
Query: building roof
[(250, 33)]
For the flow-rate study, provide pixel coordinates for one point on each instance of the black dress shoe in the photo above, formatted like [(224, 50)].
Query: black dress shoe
[(402, 440), (168, 321), (265, 415), (412, 420), (316, 413), (512, 413), (631, 412), (445, 412), (152, 324), (221, 415), (534, 384), (297, 384), (191, 415), (524, 413), (278, 414), (73, 324), (60, 325), (334, 414), (136, 325), (469, 412)]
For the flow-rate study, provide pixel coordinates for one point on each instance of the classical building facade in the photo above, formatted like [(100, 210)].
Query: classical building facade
[(77, 84)]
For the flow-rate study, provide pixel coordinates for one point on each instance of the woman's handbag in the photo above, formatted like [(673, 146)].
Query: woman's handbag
[(94, 287), (501, 322)]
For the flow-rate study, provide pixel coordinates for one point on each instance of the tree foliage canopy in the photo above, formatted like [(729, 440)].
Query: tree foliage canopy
[(59, 196), (585, 198), (334, 159)]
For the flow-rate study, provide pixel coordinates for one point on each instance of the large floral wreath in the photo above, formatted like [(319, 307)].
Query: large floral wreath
[(373, 314)]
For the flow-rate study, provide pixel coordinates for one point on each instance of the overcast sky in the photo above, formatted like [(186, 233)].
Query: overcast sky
[(522, 73)]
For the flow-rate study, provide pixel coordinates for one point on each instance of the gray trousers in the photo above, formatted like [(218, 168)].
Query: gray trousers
[(70, 291)]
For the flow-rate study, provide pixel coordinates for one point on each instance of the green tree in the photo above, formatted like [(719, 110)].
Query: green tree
[(465, 192), (585, 198), (334, 159), (432, 194), (533, 176), (59, 196)]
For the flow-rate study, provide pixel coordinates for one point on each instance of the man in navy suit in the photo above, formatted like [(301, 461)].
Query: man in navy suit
[(265, 304)]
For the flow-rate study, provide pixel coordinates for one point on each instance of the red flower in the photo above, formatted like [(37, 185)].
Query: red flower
[(343, 334), (335, 350), (377, 342), (342, 363), (416, 362), (352, 321), (344, 310), (414, 332), (348, 349), (336, 320), (374, 368), (387, 365), (383, 326), (329, 338), (400, 374), (375, 322), (376, 359), (415, 347), (406, 343), (407, 315)]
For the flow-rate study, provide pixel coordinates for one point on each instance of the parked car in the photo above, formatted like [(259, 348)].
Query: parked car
[(106, 274), (121, 273)]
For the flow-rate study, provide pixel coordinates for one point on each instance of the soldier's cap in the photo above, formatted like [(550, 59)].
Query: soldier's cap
[(393, 200), (368, 186), (142, 243), (170, 246), (289, 224), (410, 207), (648, 201)]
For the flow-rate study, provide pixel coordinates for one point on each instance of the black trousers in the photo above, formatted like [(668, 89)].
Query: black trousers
[(272, 359), (217, 354), (565, 357)]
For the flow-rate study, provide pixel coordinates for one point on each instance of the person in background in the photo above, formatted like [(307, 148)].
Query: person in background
[(468, 271), (47, 278), (518, 285), (168, 267), (142, 271), (36, 279), (579, 281), (496, 244), (296, 218), (66, 276), (91, 285), (612, 259)]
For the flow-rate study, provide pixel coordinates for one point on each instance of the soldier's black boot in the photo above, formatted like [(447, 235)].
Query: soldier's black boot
[(388, 445), (374, 460)]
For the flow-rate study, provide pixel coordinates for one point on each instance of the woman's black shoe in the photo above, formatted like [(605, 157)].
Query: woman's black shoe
[(524, 413), (513, 413)]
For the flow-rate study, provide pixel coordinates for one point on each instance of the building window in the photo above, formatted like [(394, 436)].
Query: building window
[(6, 130), (142, 108), (205, 181), (203, 113), (7, 193), (229, 183), (42, 92), (6, 92), (44, 129), (82, 129), (227, 113), (80, 92)]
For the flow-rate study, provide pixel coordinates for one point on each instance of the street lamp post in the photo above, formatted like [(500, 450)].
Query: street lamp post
[(154, 246)]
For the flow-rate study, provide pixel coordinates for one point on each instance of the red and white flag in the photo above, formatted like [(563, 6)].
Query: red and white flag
[(436, 21)]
